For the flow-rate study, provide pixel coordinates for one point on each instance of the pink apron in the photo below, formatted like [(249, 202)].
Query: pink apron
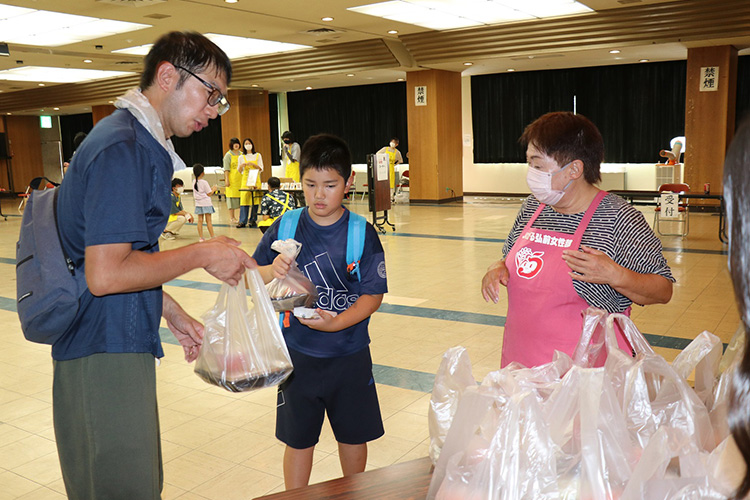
[(544, 310)]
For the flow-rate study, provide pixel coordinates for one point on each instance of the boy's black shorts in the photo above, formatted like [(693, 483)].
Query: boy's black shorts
[(344, 387)]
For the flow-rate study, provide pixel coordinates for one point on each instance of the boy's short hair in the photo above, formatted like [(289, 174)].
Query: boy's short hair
[(189, 50), (325, 151), (274, 182), (177, 182)]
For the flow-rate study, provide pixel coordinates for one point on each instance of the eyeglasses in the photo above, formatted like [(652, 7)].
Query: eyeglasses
[(215, 97)]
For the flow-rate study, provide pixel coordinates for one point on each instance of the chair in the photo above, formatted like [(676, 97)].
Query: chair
[(403, 180), (683, 215), (40, 183), (365, 191)]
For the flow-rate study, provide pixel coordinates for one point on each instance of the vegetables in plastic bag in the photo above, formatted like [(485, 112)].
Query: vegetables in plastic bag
[(243, 348), (451, 380), (295, 290)]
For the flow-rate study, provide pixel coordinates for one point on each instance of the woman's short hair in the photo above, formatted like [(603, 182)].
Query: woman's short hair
[(233, 141), (189, 50), (565, 137)]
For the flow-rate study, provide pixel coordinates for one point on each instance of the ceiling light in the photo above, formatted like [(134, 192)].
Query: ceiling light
[(236, 46), (399, 79), (511, 70), (88, 61), (56, 109), (308, 88), (139, 50), (468, 64), (448, 14), (231, 1), (326, 19), (614, 51), (643, 60), (254, 85), (41, 85), (52, 29), (350, 74), (57, 75), (393, 32)]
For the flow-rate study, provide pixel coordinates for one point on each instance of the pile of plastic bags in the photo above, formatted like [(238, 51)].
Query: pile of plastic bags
[(633, 428)]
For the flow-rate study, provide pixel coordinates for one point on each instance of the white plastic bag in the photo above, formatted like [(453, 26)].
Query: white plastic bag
[(451, 380), (243, 348), (295, 290)]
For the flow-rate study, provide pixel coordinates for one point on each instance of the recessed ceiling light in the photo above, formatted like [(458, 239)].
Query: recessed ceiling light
[(236, 46), (350, 74), (56, 75), (468, 63), (308, 88), (231, 1), (511, 69), (87, 61), (51, 29), (393, 32), (254, 85), (111, 102), (326, 19), (643, 60), (399, 79), (614, 51), (56, 109), (41, 85)]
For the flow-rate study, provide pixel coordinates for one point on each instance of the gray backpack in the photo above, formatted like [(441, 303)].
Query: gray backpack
[(48, 284)]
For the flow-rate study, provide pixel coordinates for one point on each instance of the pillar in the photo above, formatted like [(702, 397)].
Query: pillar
[(709, 115), (435, 147), (102, 111), (248, 117)]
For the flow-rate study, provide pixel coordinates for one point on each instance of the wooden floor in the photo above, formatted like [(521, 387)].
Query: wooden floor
[(221, 446)]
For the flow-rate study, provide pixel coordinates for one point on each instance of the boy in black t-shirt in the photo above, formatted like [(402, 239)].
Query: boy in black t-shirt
[(331, 355)]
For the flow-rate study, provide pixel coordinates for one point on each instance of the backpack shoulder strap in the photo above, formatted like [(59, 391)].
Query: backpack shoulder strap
[(355, 243), (288, 224)]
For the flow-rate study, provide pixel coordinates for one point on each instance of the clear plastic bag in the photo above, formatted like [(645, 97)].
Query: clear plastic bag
[(295, 290), (451, 380), (243, 348)]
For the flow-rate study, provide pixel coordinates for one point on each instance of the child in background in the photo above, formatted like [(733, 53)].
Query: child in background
[(203, 206), (177, 213), (331, 354)]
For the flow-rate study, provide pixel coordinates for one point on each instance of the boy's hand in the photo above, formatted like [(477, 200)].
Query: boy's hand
[(281, 266), (325, 323)]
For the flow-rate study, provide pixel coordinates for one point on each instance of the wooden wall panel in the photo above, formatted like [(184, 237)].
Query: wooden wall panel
[(4, 181), (435, 161), (709, 117), (100, 112), (25, 145), (248, 117)]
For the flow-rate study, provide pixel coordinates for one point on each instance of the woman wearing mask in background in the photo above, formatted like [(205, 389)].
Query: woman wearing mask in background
[(290, 152), (572, 246), (232, 178), (250, 165), (394, 158)]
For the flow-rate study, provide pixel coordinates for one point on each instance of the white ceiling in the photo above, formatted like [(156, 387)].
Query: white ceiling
[(296, 21)]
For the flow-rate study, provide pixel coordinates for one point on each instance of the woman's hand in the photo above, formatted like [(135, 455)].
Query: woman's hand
[(593, 266), (496, 275)]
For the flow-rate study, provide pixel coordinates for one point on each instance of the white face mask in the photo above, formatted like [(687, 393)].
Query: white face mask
[(180, 190), (393, 144), (540, 184)]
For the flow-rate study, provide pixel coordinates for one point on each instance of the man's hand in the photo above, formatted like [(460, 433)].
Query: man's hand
[(496, 275), (228, 261), (187, 330)]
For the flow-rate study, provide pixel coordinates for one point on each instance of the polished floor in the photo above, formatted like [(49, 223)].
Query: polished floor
[(221, 446)]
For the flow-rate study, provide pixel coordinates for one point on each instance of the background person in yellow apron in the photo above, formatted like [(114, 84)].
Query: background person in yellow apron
[(290, 153), (394, 158), (232, 178), (247, 163)]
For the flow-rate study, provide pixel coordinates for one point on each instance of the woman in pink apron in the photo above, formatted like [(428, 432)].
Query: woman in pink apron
[(572, 246)]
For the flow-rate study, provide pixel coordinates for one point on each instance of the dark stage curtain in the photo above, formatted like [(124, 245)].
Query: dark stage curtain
[(637, 107), (273, 116), (365, 116), (202, 147), (70, 125)]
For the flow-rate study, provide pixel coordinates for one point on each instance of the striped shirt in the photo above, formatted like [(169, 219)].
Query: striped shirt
[(617, 229)]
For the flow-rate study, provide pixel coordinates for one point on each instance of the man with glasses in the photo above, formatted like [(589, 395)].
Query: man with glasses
[(113, 204)]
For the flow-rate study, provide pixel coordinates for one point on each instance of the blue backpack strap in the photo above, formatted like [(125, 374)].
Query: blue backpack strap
[(288, 224), (355, 243)]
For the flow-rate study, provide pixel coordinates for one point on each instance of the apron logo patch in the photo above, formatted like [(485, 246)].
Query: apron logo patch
[(528, 263)]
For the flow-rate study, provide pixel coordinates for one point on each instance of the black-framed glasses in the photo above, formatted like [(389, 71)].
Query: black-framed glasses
[(215, 98)]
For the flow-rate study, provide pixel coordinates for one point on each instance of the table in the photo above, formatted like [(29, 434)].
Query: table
[(635, 197), (404, 481)]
